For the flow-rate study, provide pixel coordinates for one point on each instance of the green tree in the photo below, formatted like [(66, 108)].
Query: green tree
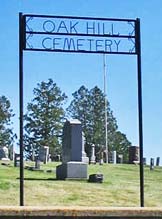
[(44, 118), (79, 108), (89, 107), (121, 145), (6, 132), (98, 119)]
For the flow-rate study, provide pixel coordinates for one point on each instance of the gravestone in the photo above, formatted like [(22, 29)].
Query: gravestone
[(43, 154), (101, 155), (93, 157), (85, 159), (4, 153), (74, 160), (17, 160), (11, 152), (157, 161), (96, 178), (58, 157), (133, 154), (144, 161), (152, 164), (114, 157), (120, 158), (37, 164), (49, 158)]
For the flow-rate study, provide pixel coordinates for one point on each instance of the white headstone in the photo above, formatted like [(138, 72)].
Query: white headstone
[(93, 157), (114, 157)]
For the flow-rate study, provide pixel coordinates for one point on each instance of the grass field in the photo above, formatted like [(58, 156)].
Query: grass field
[(119, 188)]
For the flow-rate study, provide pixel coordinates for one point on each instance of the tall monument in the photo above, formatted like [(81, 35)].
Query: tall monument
[(74, 160)]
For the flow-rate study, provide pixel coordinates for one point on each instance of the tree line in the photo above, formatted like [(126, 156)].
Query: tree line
[(46, 114)]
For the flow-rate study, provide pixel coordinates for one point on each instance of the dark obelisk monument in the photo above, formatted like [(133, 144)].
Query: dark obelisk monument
[(74, 160)]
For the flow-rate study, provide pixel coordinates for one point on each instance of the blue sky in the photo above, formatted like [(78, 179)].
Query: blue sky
[(70, 71)]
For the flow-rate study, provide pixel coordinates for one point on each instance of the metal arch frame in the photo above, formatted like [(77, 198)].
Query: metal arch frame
[(22, 47)]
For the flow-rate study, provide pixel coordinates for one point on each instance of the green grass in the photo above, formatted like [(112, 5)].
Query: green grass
[(119, 188)]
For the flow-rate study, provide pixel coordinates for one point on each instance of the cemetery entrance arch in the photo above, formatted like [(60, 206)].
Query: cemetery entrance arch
[(45, 33)]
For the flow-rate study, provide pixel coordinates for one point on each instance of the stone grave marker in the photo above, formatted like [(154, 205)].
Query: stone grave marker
[(74, 160), (43, 154), (120, 158), (17, 160), (11, 152), (37, 164), (157, 161), (96, 178), (144, 161), (152, 164), (133, 154), (114, 157), (85, 159), (4, 153), (93, 157)]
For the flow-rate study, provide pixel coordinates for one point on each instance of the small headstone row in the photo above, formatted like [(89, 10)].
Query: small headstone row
[(152, 163)]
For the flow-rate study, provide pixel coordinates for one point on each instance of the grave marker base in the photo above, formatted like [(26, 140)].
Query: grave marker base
[(71, 170)]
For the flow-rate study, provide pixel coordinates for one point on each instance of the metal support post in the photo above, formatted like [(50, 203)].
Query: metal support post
[(21, 108), (138, 49)]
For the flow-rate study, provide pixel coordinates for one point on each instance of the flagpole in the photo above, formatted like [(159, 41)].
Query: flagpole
[(105, 88)]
